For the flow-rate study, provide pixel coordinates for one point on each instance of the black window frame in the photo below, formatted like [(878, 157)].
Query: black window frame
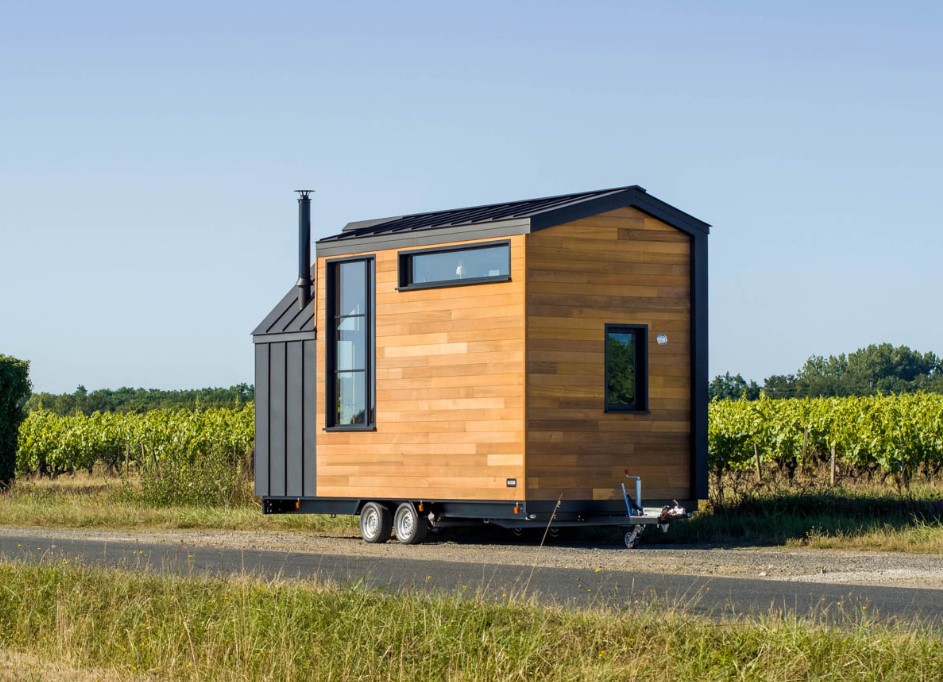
[(640, 406), (406, 268), (332, 292)]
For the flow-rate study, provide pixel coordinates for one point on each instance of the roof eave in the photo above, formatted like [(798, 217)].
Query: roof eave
[(635, 197), (338, 245)]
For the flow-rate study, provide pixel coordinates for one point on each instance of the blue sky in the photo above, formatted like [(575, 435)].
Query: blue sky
[(148, 153)]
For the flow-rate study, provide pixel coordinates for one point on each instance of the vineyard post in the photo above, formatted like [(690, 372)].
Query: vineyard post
[(805, 450), (756, 457), (831, 468)]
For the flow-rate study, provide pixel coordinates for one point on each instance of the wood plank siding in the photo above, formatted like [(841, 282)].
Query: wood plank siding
[(619, 267), (449, 392)]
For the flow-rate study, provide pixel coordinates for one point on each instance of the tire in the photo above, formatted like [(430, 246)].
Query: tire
[(376, 523), (411, 528)]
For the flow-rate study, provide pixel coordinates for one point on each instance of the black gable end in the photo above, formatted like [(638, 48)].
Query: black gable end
[(287, 317)]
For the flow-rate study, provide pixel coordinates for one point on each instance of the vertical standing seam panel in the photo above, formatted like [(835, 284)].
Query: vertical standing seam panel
[(699, 373), (294, 410), (309, 389), (277, 420), (261, 419)]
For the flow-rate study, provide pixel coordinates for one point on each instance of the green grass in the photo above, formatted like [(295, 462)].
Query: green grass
[(861, 517), (107, 502), (165, 627)]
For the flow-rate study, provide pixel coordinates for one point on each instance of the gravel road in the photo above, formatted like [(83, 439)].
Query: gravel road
[(465, 546)]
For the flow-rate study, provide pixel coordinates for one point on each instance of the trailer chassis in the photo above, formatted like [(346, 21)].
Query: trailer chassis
[(412, 518)]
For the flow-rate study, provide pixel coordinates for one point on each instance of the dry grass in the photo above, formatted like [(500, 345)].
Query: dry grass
[(862, 517), (84, 501), (20, 666), (803, 513), (77, 619)]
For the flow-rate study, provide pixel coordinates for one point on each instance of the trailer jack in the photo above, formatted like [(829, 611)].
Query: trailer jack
[(639, 518)]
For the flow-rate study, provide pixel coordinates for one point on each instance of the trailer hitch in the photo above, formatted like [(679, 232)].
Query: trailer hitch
[(638, 519)]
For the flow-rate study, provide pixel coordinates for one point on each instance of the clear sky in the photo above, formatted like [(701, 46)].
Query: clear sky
[(148, 153)]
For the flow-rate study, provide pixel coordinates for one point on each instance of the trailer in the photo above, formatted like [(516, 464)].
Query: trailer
[(509, 363)]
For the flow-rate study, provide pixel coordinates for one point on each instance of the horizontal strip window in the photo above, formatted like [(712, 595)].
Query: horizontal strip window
[(455, 266)]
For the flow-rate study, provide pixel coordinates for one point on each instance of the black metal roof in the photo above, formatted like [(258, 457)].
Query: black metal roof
[(288, 317), (538, 213)]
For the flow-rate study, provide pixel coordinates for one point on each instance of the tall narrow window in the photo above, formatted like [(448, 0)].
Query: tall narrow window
[(350, 402), (626, 368)]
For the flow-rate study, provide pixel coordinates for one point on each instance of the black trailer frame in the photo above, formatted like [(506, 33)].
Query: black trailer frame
[(625, 513)]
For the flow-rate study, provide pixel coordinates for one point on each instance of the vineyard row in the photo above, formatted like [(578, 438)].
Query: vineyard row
[(50, 444), (898, 435)]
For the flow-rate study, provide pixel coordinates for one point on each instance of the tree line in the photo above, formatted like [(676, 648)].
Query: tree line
[(874, 370), (139, 400)]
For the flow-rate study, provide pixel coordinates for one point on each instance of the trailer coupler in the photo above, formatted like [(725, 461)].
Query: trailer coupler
[(639, 518)]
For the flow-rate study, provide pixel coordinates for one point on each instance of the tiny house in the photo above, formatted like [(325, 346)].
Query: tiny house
[(509, 363)]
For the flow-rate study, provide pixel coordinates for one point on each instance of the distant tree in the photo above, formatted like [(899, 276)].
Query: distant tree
[(127, 399), (821, 377), (935, 382), (727, 387), (780, 386), (14, 391), (884, 368), (878, 368)]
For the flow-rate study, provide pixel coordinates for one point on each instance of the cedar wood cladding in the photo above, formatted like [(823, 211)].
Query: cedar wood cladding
[(618, 267), (452, 407), (449, 387)]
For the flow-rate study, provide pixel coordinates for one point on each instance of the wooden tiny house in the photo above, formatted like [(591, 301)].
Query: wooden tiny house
[(489, 362)]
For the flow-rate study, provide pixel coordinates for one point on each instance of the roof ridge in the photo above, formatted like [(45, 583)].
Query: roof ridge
[(374, 225)]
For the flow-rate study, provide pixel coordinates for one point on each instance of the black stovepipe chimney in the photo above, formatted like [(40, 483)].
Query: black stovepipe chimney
[(304, 246)]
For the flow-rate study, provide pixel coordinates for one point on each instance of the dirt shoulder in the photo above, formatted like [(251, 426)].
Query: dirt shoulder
[(775, 564)]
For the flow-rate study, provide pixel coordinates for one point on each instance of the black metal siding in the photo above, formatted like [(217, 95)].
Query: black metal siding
[(276, 413), (699, 378), (261, 418), (294, 419), (285, 394), (309, 391)]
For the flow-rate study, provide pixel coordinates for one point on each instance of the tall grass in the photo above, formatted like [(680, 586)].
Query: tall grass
[(83, 501), (245, 629), (863, 516)]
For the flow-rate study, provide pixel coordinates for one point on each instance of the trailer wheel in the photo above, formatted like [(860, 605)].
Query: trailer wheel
[(410, 527), (376, 523)]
